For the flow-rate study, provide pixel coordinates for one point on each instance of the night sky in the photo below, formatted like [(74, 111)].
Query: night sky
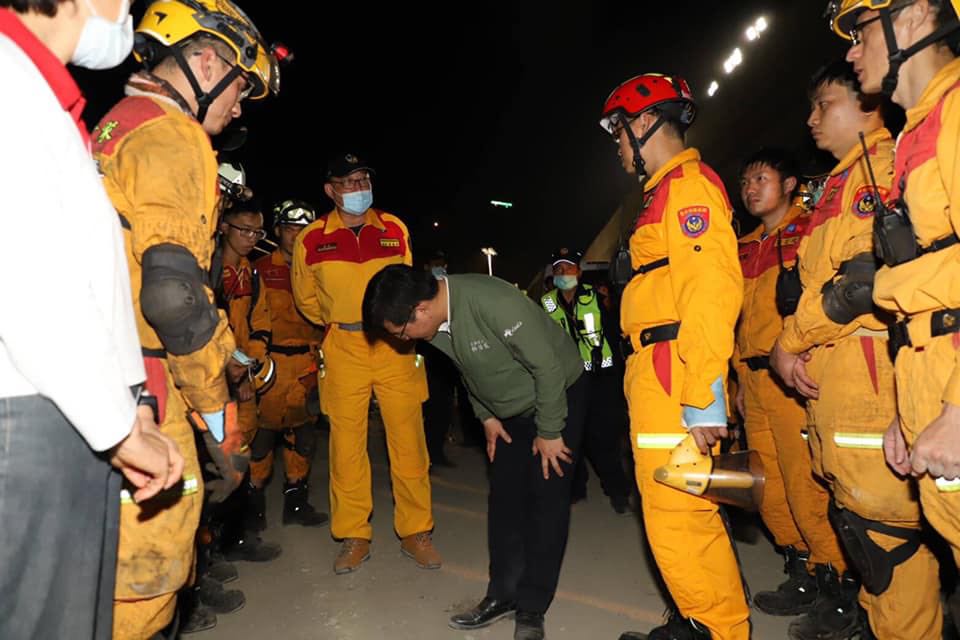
[(503, 102)]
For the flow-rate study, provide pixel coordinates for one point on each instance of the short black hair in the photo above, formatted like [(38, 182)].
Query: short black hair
[(780, 160), (46, 7), (841, 72), (835, 72), (393, 293), (671, 113), (239, 208)]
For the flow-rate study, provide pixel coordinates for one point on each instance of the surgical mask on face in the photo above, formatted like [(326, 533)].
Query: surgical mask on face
[(357, 202), (438, 272), (104, 43), (565, 283)]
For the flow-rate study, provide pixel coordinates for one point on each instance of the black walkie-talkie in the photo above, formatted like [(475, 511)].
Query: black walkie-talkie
[(894, 241)]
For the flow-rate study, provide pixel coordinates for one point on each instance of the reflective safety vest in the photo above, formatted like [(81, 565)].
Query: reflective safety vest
[(588, 334)]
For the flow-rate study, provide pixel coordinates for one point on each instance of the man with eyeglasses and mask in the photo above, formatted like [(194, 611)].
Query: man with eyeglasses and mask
[(202, 58), (908, 50), (333, 260)]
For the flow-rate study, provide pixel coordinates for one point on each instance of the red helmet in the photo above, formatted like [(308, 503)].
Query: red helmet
[(640, 93)]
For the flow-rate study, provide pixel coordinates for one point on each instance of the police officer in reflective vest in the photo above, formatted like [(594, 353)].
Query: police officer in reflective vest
[(577, 308)]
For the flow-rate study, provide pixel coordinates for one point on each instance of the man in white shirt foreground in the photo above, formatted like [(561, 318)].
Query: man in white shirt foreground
[(70, 363)]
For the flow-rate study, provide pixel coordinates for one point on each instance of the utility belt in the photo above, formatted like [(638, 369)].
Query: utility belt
[(650, 335), (874, 564), (918, 331), (757, 363), (295, 350), (894, 238)]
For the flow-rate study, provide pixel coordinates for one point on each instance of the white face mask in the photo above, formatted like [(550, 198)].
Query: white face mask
[(104, 43)]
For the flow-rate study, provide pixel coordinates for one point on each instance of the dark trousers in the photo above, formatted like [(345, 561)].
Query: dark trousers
[(438, 409), (59, 521), (606, 427), (528, 517)]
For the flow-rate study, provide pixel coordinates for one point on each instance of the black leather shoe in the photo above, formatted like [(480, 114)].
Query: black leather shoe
[(484, 614), (529, 626)]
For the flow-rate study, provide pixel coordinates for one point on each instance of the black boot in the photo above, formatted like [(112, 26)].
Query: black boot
[(251, 548), (222, 571), (797, 594), (835, 614), (677, 628), (194, 616), (216, 598), (296, 509), (255, 515)]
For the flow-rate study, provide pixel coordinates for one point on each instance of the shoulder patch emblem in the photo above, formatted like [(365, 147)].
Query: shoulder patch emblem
[(694, 221), (105, 132), (865, 201)]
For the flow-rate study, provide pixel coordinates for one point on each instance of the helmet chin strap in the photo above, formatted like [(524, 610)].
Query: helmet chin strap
[(204, 99), (897, 56), (637, 143)]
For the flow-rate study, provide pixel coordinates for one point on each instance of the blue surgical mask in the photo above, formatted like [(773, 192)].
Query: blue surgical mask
[(438, 272), (565, 283), (357, 202)]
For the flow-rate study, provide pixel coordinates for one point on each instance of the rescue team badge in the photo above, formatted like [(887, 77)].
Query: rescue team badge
[(323, 248), (390, 243), (865, 201), (694, 221)]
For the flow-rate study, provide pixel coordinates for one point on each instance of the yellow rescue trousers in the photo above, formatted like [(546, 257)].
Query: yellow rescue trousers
[(283, 408), (355, 368), (686, 533), (155, 555), (795, 504), (846, 427)]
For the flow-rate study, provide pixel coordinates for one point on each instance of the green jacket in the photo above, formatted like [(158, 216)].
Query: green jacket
[(514, 359)]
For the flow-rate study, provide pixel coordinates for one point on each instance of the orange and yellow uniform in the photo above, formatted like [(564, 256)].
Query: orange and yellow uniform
[(925, 292), (794, 506), (141, 146), (684, 253), (238, 295), (292, 342), (331, 267), (856, 403)]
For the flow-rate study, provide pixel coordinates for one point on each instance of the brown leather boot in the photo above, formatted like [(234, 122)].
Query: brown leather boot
[(353, 553), (420, 547)]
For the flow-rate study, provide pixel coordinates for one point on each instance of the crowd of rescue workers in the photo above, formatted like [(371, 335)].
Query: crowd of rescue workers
[(807, 370)]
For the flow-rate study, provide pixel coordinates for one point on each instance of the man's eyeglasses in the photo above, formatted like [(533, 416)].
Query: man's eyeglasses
[(354, 183), (247, 232), (856, 31), (403, 329), (247, 87)]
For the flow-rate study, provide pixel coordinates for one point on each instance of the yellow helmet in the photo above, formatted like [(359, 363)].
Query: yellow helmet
[(169, 23), (843, 13), (843, 19)]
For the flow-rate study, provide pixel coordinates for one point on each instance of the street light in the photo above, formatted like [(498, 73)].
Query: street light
[(489, 252)]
